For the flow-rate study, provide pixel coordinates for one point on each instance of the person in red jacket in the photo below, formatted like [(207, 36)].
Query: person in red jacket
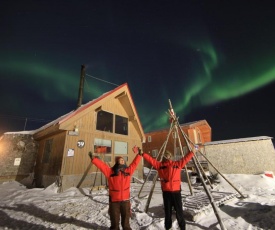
[(119, 179), (170, 178)]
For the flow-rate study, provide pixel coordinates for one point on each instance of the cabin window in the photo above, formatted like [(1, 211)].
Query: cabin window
[(102, 146), (149, 138), (47, 151), (121, 125), (104, 121), (108, 159), (121, 147), (155, 152)]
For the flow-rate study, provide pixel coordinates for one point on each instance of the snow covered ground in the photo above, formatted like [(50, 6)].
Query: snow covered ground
[(22, 208)]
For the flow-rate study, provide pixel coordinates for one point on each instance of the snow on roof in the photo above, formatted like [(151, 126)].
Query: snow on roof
[(30, 132), (54, 122), (237, 140)]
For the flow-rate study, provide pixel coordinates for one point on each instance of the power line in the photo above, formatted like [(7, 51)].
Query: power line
[(89, 90), (24, 118), (101, 80)]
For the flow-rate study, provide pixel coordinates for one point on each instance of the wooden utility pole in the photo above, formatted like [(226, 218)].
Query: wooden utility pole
[(81, 87)]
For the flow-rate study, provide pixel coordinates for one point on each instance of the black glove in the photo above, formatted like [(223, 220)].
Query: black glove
[(91, 155), (140, 152), (137, 150)]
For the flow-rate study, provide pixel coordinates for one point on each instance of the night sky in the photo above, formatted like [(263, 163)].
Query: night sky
[(215, 60)]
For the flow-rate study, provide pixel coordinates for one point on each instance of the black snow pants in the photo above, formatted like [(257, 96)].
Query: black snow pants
[(170, 200)]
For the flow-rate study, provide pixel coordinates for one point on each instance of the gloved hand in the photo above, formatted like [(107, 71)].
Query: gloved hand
[(91, 155), (140, 152), (137, 150)]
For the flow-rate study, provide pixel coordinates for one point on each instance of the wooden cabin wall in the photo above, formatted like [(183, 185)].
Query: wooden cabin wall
[(206, 133), (194, 135), (46, 173), (76, 169), (80, 159)]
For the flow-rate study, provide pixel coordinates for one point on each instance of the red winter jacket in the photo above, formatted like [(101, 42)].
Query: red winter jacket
[(169, 171), (119, 185)]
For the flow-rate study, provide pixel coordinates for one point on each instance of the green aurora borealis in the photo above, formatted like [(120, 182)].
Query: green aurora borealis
[(205, 61), (212, 84)]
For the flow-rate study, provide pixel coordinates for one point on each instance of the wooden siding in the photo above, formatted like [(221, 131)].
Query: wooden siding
[(53, 167), (87, 132), (205, 132), (80, 125)]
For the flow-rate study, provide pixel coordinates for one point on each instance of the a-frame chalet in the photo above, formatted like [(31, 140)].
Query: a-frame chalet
[(109, 126)]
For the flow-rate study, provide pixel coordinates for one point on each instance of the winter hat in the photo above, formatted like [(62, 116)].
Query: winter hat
[(167, 154)]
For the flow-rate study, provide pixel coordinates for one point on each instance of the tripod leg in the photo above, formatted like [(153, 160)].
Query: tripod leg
[(146, 179), (200, 167), (203, 172), (188, 181), (203, 183), (151, 193), (181, 151), (209, 196), (94, 181)]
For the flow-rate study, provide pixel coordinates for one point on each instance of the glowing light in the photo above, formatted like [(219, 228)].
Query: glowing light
[(215, 82), (47, 80)]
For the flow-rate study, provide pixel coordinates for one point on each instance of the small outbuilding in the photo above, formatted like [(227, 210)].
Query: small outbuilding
[(198, 132), (252, 155), (108, 126)]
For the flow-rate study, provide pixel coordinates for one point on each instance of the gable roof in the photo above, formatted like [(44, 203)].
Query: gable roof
[(122, 93)]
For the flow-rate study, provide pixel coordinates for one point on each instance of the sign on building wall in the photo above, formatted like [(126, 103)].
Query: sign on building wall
[(70, 153), (17, 161), (80, 144)]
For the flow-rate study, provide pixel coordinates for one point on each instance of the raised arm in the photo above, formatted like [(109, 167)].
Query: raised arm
[(102, 166), (186, 159)]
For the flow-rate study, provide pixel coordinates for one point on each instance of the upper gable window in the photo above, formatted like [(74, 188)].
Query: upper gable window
[(121, 125), (104, 121)]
